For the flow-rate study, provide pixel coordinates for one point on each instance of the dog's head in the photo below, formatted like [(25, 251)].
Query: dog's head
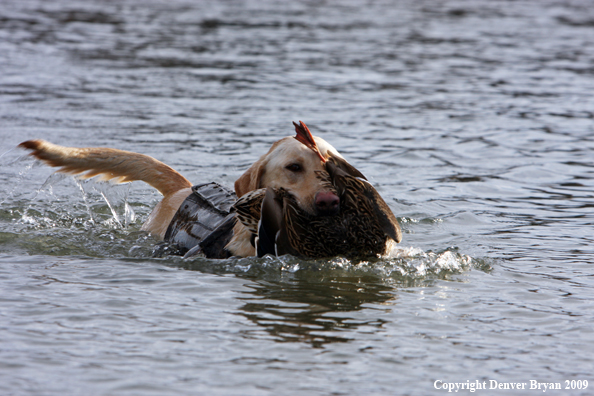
[(295, 164)]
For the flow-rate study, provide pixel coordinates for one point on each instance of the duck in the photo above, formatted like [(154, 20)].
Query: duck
[(364, 226)]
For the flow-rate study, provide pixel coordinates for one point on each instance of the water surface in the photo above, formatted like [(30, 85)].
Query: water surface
[(472, 118)]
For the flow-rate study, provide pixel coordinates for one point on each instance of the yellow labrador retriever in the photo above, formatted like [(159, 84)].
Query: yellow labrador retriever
[(292, 163)]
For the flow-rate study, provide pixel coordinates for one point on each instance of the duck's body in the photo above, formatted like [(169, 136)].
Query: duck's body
[(362, 227)]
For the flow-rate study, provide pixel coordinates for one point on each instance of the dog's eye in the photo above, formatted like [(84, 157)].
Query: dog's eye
[(294, 167)]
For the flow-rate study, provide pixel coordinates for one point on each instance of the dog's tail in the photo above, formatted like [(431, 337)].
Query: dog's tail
[(124, 166)]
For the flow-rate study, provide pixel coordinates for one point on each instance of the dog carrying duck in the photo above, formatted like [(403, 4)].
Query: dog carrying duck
[(301, 198)]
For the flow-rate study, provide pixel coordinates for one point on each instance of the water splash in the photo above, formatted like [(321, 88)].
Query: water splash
[(6, 161), (115, 196), (410, 265), (52, 205), (84, 198)]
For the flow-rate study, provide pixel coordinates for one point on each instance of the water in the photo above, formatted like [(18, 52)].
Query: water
[(473, 118)]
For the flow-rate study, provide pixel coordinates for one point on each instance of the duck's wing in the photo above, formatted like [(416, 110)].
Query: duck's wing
[(345, 167), (387, 220), (270, 225), (248, 209), (348, 180), (280, 226)]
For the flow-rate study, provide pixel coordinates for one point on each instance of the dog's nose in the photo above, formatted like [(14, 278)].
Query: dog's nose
[(327, 204)]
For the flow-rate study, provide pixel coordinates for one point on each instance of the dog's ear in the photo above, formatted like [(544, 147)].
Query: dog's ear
[(252, 177), (250, 180)]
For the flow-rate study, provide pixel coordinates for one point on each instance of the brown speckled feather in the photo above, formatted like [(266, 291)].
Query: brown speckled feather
[(248, 209)]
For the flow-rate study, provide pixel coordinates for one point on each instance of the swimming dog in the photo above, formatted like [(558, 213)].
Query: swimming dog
[(292, 163)]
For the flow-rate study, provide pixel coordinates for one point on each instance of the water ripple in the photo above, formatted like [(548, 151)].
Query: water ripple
[(473, 119)]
